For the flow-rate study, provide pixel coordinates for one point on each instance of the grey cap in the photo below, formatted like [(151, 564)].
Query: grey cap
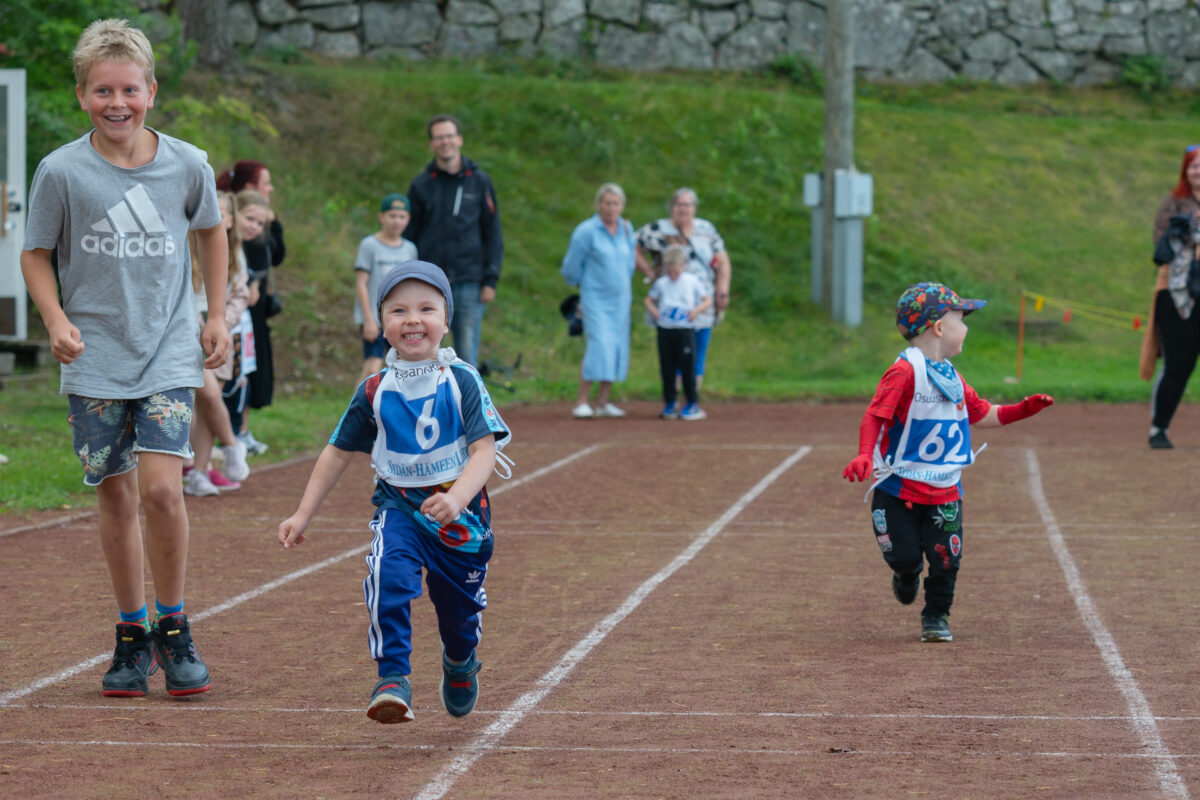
[(415, 270)]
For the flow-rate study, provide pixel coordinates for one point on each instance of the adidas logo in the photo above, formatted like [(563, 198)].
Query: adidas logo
[(130, 229), (473, 576)]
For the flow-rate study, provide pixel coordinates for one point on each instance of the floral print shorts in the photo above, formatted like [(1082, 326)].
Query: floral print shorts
[(109, 433)]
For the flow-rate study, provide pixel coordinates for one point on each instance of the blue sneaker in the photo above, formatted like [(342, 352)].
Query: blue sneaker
[(460, 687), (692, 411), (936, 628), (391, 700), (670, 411)]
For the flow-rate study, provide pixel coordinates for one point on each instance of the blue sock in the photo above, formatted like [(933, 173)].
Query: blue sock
[(163, 611), (139, 617)]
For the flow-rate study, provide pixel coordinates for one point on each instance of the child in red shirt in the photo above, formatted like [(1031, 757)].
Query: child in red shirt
[(916, 439)]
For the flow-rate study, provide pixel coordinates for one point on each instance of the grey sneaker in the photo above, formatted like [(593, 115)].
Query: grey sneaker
[(391, 700), (176, 653), (460, 688), (197, 484), (905, 587), (253, 446), (132, 662), (936, 628)]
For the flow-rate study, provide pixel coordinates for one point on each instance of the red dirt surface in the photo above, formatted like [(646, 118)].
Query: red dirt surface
[(669, 618)]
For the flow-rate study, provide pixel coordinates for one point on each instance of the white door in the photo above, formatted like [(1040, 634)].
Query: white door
[(12, 203)]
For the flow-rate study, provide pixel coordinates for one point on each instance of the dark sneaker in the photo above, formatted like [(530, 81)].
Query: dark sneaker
[(1159, 441), (181, 664), (460, 687), (670, 411), (936, 628), (391, 700), (905, 587), (132, 662)]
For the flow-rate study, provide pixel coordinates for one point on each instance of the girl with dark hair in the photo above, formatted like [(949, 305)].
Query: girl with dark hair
[(263, 253)]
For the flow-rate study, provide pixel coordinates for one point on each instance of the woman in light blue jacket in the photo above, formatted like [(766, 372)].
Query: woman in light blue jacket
[(600, 261)]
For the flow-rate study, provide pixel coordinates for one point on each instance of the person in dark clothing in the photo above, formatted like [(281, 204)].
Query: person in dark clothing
[(263, 253), (455, 224)]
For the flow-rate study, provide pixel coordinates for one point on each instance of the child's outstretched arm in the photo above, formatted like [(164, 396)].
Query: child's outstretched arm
[(66, 343), (1005, 415), (868, 434), (481, 460), (326, 472), (213, 250)]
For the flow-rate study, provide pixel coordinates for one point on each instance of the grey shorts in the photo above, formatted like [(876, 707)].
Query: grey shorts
[(109, 433)]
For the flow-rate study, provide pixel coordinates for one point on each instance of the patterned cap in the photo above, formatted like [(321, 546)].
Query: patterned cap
[(923, 304), (419, 271)]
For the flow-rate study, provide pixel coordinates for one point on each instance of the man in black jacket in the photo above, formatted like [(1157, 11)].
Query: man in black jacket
[(455, 225)]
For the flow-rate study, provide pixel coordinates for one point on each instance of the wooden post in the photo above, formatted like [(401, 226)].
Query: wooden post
[(1020, 336), (839, 122)]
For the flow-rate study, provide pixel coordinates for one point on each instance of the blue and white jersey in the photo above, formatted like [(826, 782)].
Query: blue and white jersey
[(417, 420), (934, 445)]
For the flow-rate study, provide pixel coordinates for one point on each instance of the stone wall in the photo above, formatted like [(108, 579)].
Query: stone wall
[(1014, 42)]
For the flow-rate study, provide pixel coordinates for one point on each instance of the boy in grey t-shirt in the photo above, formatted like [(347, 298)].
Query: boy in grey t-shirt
[(378, 253), (117, 204)]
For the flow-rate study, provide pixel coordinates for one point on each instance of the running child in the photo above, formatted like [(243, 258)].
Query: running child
[(378, 253), (916, 439), (118, 203), (434, 438), (675, 301)]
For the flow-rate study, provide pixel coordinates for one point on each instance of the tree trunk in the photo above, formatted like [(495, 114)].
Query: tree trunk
[(206, 22)]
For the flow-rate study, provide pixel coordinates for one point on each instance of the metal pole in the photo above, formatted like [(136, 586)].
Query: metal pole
[(839, 123)]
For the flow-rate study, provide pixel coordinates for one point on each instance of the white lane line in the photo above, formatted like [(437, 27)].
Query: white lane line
[(82, 666), (1140, 714), (523, 705), (198, 708), (818, 752), (69, 518)]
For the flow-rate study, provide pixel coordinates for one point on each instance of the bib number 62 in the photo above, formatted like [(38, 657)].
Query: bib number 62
[(933, 447)]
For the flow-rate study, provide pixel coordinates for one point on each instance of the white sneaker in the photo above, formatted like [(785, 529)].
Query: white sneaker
[(582, 411), (3, 458), (609, 410), (197, 484), (253, 446), (217, 453), (236, 467)]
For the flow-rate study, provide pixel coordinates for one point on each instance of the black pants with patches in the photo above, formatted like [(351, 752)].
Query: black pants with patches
[(907, 532)]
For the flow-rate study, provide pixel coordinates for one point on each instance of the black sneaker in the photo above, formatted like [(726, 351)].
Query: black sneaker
[(176, 653), (936, 628), (1159, 441), (132, 662), (459, 688), (905, 587)]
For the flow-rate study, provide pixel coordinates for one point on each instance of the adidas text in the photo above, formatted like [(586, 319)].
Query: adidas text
[(134, 246)]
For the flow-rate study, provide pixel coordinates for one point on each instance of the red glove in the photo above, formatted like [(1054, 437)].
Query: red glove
[(868, 435), (1026, 408)]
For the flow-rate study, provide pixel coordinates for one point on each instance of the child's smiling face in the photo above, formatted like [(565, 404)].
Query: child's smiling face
[(413, 316)]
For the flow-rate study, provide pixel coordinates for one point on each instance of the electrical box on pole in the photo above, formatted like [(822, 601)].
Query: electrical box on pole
[(13, 323)]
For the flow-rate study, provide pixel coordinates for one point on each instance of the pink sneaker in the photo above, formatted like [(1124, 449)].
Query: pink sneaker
[(221, 482)]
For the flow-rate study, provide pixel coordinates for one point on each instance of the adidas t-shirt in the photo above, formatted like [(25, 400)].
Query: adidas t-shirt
[(124, 264)]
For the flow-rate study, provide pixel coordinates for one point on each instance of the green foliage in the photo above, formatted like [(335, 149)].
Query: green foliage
[(40, 35), (1145, 74), (799, 71)]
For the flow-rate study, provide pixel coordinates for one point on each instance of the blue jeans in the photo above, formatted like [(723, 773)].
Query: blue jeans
[(468, 320)]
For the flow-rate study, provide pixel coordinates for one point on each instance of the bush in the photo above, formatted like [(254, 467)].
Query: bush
[(1146, 75)]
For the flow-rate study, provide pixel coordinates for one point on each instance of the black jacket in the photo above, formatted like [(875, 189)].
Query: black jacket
[(455, 223)]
